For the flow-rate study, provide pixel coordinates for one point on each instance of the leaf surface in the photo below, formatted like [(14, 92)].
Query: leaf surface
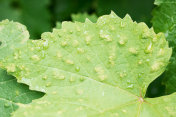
[(164, 20), (89, 69)]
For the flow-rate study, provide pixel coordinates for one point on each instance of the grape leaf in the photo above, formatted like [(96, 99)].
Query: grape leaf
[(164, 20), (13, 93), (89, 69)]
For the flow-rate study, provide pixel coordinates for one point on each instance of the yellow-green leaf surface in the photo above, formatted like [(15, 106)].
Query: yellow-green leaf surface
[(13, 93), (89, 69), (164, 20)]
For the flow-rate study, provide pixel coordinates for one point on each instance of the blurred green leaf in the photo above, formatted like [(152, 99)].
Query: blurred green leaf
[(7, 11), (164, 20), (156, 88), (81, 17), (58, 25), (64, 8), (33, 13), (139, 10)]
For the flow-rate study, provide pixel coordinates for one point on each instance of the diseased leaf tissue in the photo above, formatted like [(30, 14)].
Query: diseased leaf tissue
[(89, 69)]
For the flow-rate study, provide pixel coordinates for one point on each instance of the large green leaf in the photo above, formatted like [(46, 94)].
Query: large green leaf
[(89, 69), (13, 93), (164, 20)]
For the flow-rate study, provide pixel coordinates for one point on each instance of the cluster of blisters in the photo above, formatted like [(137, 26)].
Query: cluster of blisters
[(113, 55)]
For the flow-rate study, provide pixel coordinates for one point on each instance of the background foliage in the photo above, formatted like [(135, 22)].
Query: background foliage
[(41, 15)]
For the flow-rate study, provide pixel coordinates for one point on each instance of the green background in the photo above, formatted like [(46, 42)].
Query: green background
[(41, 15)]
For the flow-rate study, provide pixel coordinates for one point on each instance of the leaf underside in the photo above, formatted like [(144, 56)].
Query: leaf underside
[(89, 69)]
